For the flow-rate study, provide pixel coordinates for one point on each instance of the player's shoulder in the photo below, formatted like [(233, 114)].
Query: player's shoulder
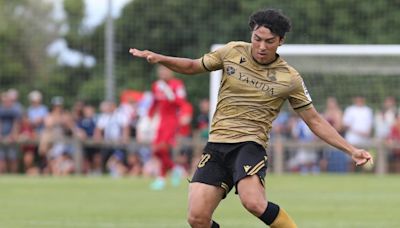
[(286, 69), (238, 44), (234, 48)]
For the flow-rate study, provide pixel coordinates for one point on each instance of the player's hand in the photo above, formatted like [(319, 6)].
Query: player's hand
[(150, 56), (361, 157)]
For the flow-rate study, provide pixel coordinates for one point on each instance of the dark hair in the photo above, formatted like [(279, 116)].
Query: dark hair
[(272, 19)]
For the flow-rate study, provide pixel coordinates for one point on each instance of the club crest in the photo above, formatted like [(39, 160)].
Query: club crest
[(271, 75), (230, 70)]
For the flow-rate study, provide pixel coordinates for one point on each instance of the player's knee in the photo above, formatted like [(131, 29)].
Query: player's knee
[(198, 219), (254, 206)]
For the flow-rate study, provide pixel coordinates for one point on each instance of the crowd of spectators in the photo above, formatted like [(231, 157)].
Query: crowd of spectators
[(116, 138), (358, 123)]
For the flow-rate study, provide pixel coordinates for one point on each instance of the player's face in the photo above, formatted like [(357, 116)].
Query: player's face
[(264, 44)]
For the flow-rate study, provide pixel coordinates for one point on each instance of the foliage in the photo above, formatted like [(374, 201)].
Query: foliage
[(189, 28), (26, 29), (174, 27)]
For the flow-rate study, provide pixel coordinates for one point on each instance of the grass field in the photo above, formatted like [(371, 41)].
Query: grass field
[(323, 201)]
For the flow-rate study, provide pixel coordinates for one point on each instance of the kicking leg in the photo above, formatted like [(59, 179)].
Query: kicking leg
[(252, 195), (203, 200)]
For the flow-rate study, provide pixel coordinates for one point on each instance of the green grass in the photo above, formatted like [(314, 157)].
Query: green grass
[(323, 201)]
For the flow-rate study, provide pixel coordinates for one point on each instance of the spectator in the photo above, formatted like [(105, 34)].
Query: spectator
[(333, 160), (202, 128), (203, 118), (63, 165), (26, 134), (357, 122), (129, 106), (13, 95), (305, 159), (169, 94), (152, 167), (334, 114), (184, 154), (86, 126), (58, 125), (112, 127), (385, 118), (394, 140), (116, 164), (185, 130), (37, 112), (62, 162), (77, 110), (280, 125), (134, 164), (147, 126), (144, 104), (146, 129), (10, 117)]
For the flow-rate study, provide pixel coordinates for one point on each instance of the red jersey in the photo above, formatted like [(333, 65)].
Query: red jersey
[(168, 98), (186, 112)]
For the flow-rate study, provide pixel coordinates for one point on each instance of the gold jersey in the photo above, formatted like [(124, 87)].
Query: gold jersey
[(251, 94)]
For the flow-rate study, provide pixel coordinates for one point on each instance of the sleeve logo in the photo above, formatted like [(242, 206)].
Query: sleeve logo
[(306, 92)]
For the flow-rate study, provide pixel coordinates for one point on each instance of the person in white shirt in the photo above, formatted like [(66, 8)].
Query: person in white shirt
[(112, 127), (358, 121), (385, 118)]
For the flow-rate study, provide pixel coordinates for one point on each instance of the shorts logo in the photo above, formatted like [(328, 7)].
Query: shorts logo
[(256, 168), (246, 168), (230, 70), (204, 159)]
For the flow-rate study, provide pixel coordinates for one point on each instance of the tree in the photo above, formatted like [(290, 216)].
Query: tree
[(189, 28), (26, 29)]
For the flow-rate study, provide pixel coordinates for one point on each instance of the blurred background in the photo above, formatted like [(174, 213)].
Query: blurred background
[(70, 58)]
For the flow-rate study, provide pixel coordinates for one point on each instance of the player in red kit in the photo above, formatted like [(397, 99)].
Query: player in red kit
[(169, 95)]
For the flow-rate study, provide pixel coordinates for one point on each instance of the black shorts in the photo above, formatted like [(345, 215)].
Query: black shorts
[(225, 164)]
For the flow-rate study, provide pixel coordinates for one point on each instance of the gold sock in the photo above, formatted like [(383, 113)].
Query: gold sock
[(283, 220)]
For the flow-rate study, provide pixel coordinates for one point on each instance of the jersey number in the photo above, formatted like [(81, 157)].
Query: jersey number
[(204, 160)]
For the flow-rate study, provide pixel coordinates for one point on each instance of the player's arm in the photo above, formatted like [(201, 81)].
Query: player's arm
[(177, 64), (326, 132)]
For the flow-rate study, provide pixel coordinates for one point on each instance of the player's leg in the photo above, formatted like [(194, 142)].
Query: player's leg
[(250, 170), (162, 153), (210, 184), (203, 199), (252, 195), (162, 146)]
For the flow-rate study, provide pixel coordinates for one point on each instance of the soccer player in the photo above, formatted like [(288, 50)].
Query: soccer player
[(256, 82), (169, 96)]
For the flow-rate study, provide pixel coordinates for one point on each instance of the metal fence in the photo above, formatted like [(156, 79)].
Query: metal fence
[(278, 152)]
